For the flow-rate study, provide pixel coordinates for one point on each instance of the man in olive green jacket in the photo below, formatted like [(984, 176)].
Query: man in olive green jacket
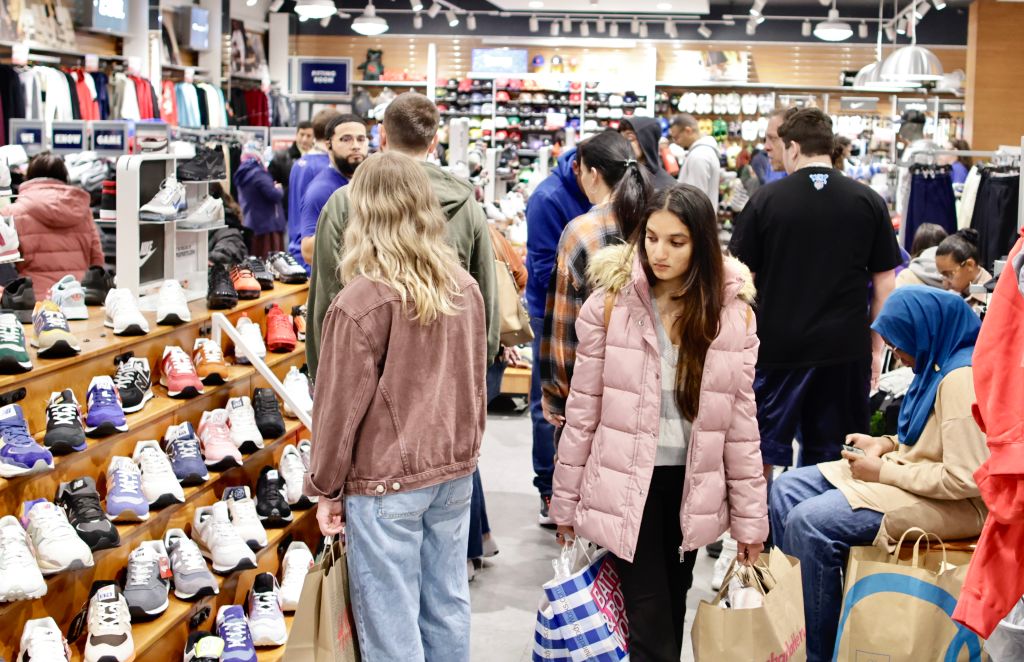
[(410, 126)]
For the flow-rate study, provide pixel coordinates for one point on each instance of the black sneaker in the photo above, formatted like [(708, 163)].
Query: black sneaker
[(20, 298), (268, 413), (208, 165), (260, 272), (203, 646), (134, 382), (271, 506), (544, 519), (81, 502), (97, 282), (220, 293), (65, 432), (714, 550)]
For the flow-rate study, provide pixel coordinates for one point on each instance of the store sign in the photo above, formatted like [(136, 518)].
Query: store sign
[(67, 137), (29, 134), (859, 104), (501, 60), (151, 252), (903, 105), (281, 138), (952, 106), (324, 77), (103, 15), (199, 29), (110, 137)]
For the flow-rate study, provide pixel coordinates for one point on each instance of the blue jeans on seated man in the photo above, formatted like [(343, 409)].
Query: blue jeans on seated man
[(407, 572), (813, 521)]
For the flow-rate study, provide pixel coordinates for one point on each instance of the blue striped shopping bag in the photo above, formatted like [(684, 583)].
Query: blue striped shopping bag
[(547, 639)]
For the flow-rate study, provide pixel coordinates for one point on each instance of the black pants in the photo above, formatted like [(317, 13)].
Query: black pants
[(655, 584), (995, 216)]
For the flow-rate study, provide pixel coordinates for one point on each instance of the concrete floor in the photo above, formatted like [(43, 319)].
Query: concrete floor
[(506, 592)]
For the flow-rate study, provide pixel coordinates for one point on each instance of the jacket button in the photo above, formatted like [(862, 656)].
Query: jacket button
[(380, 489), (641, 322), (396, 486)]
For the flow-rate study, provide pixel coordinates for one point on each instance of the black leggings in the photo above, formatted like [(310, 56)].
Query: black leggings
[(655, 584)]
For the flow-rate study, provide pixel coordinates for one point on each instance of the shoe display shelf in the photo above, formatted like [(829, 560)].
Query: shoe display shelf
[(163, 638)]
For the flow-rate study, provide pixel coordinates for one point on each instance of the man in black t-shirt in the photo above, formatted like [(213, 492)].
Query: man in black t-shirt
[(815, 240)]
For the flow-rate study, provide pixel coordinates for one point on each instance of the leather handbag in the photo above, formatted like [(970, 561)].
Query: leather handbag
[(515, 321)]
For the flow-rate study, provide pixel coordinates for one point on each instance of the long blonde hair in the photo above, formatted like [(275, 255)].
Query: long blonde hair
[(396, 236)]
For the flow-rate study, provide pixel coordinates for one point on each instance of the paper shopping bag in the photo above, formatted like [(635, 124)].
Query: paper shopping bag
[(900, 611), (324, 628), (774, 632)]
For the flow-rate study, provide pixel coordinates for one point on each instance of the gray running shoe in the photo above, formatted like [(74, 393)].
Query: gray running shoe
[(192, 578), (147, 583)]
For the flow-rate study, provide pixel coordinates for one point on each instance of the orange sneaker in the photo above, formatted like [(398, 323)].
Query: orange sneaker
[(299, 315), (280, 332), (209, 362), (245, 283)]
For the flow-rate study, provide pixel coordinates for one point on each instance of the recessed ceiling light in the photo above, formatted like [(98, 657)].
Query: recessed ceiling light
[(664, 6)]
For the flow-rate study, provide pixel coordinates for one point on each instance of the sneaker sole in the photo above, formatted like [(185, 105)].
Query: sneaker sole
[(204, 592), (59, 349), (214, 379), (12, 366), (266, 284), (270, 641), (77, 564), (129, 330), (191, 480), (128, 516), (243, 564), (64, 447), (275, 521), (255, 545), (249, 447), (139, 614), (11, 471), (249, 294), (145, 398), (173, 320), (276, 433), (165, 500), (109, 540), (18, 595), (187, 392), (281, 347), (105, 430), (223, 464), (221, 303), (302, 504)]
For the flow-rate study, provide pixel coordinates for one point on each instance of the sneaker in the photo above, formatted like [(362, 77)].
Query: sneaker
[(81, 503), (219, 541), (20, 578), (233, 628), (305, 447), (298, 561), (178, 375), (208, 359), (171, 304), (110, 625), (271, 505), (121, 313), (168, 204), (53, 336), (245, 282), (42, 640), (723, 562), (9, 243), (244, 431), (14, 357), (220, 292), (97, 283), (218, 448), (19, 453), (544, 519), (299, 318), (268, 413), (108, 200), (253, 337), (293, 470), (134, 383), (242, 510), (266, 620), (159, 484), (56, 542), (192, 577), (18, 296), (147, 584), (65, 429), (297, 385), (285, 268), (69, 295), (206, 166), (183, 449), (203, 647), (125, 500), (280, 330), (105, 416), (260, 272), (208, 214)]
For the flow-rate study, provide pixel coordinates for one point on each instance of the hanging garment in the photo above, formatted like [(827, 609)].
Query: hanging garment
[(56, 94), (239, 107), (931, 201), (168, 103), (968, 198), (995, 215), (33, 94), (204, 106), (76, 109), (99, 80), (12, 96)]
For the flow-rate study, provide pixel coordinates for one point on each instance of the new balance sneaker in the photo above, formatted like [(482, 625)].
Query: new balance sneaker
[(168, 204), (42, 640), (245, 282), (271, 505), (108, 201), (97, 283), (178, 375), (297, 385), (125, 500), (305, 447), (268, 413), (18, 296), (203, 647), (209, 213), (69, 295), (182, 447), (242, 510), (81, 503), (65, 430), (172, 305), (148, 582), (53, 337), (192, 578), (121, 313), (159, 484), (293, 470), (299, 318), (110, 625), (298, 560), (253, 337), (266, 620), (57, 545), (219, 541), (244, 431), (280, 330), (206, 166), (134, 383), (9, 242), (208, 359), (220, 293), (219, 450), (20, 578), (14, 357), (105, 415), (285, 268), (19, 452), (260, 272), (233, 628)]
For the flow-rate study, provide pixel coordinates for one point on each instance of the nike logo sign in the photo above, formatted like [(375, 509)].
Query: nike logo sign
[(146, 250), (856, 105)]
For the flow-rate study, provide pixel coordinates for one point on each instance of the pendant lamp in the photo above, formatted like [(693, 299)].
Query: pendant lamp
[(369, 24), (912, 64), (315, 9)]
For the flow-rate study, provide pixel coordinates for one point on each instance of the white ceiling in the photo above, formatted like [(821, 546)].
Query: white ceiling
[(607, 6)]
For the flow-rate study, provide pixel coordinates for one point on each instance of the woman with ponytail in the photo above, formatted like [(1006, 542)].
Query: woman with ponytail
[(957, 261)]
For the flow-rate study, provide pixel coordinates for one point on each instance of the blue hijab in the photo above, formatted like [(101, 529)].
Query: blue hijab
[(939, 330)]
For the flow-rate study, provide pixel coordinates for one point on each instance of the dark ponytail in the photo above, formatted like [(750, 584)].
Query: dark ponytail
[(612, 156), (962, 245)]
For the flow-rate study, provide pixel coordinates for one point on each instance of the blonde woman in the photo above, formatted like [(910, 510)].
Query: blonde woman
[(398, 415)]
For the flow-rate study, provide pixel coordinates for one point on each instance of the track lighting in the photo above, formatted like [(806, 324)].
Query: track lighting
[(670, 28), (805, 29), (325, 21), (276, 5), (599, 24), (315, 9), (534, 24), (890, 33), (862, 30), (901, 27), (471, 22), (250, 3), (434, 10), (584, 29), (751, 27), (417, 21), (634, 26), (416, 5), (757, 8), (939, 4), (704, 31), (824, 3), (554, 28), (613, 30), (452, 19), (566, 24), (643, 31)]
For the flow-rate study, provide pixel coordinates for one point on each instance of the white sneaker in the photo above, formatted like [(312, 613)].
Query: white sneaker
[(110, 627), (209, 213), (723, 562), (42, 640), (121, 313), (56, 542), (293, 470), (168, 204), (244, 431), (266, 620), (219, 541), (9, 243), (171, 304), (70, 296), (20, 578), (242, 510), (253, 337), (296, 564), (305, 447), (297, 385), (159, 483)]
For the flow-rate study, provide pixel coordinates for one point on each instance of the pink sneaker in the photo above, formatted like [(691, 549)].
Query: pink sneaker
[(178, 374), (215, 436)]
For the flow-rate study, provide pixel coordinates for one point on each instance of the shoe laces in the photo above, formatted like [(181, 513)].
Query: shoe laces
[(294, 572), (141, 568), (127, 479), (240, 271), (244, 509), (243, 417), (190, 559), (54, 319), (211, 352), (14, 550), (155, 463), (167, 193), (269, 490), (10, 334), (125, 376), (51, 525), (264, 405), (46, 644), (86, 506), (236, 632), (291, 464), (266, 602), (103, 397), (15, 434), (186, 449), (279, 323), (180, 362), (63, 413), (110, 617)]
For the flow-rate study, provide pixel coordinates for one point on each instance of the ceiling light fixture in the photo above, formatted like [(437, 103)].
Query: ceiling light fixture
[(566, 24), (471, 22), (536, 4), (369, 24), (534, 24), (416, 5), (634, 25), (417, 21), (452, 19), (276, 5), (599, 24), (833, 29), (315, 9), (922, 9), (862, 30), (704, 31), (912, 64), (824, 3), (554, 28), (250, 3), (901, 27), (613, 30), (805, 28), (643, 31), (890, 33), (939, 4), (751, 27), (325, 22), (435, 9), (757, 7), (584, 29)]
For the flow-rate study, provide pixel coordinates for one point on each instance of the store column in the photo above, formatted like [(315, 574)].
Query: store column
[(995, 69)]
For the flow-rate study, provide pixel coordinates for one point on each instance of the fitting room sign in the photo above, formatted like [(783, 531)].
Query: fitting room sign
[(29, 134), (67, 137), (324, 77)]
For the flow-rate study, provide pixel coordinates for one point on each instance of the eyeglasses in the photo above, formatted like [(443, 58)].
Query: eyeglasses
[(950, 275)]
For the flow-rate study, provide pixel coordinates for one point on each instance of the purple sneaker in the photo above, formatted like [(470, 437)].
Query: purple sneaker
[(234, 630), (105, 417), (125, 499), (19, 452)]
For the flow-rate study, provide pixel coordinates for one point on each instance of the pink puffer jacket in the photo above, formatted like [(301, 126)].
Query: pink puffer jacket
[(606, 453)]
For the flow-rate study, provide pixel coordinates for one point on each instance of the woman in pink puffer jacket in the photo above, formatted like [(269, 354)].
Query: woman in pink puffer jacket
[(661, 453)]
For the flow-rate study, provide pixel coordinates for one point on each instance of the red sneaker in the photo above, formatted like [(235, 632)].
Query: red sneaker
[(280, 332), (178, 374)]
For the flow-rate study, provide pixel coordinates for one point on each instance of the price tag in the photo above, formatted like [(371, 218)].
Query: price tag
[(190, 75), (92, 62)]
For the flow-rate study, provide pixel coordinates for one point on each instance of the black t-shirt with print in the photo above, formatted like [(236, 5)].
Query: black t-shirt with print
[(813, 240)]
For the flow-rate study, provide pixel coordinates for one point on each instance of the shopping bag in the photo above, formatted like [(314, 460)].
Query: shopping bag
[(1006, 643), (324, 628), (547, 640), (774, 632), (900, 610)]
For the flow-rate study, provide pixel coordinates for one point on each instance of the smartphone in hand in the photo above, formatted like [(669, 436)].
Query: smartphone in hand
[(853, 449)]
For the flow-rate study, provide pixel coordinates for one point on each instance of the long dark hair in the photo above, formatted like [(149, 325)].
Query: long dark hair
[(612, 156), (962, 245), (700, 298)]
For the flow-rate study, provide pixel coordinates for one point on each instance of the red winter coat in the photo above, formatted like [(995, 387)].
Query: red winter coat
[(56, 232), (995, 581)]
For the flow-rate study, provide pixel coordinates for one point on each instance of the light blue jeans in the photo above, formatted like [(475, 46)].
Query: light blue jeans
[(407, 572)]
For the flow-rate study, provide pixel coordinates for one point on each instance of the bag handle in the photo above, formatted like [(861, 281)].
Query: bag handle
[(922, 535), (748, 576)]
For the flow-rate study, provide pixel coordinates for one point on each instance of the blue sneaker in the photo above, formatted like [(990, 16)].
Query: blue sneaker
[(182, 447), (105, 417), (125, 500), (233, 628), (19, 452)]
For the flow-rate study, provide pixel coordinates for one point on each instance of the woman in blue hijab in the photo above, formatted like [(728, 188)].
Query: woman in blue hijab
[(921, 477)]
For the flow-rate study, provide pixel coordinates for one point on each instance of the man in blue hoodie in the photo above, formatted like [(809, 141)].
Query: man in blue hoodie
[(303, 172), (555, 202)]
